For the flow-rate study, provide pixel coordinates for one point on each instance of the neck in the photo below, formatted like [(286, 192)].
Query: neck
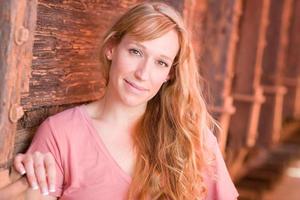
[(114, 112)]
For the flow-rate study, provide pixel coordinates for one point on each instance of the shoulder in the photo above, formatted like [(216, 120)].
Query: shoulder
[(216, 176), (61, 124), (210, 150), (60, 132), (209, 139), (65, 117), (65, 120)]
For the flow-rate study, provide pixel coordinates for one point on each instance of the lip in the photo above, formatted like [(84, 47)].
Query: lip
[(135, 86)]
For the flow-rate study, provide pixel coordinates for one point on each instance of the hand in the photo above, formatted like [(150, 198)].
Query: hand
[(39, 169)]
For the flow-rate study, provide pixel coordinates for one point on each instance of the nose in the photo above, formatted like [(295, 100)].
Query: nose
[(143, 70)]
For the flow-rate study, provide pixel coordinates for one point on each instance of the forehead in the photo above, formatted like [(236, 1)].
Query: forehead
[(167, 44)]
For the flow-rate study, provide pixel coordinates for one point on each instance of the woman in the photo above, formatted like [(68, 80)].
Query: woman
[(148, 137)]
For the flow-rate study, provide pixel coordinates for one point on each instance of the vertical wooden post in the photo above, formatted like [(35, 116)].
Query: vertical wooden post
[(246, 88), (273, 76), (17, 23), (215, 37), (228, 108), (291, 107)]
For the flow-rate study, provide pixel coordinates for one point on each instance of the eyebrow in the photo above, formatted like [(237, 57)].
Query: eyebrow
[(143, 47)]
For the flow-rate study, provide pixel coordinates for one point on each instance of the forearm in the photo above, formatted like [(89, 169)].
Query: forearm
[(20, 190), (33, 195), (14, 190)]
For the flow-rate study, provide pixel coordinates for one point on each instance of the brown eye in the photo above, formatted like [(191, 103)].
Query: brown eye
[(135, 52), (162, 63)]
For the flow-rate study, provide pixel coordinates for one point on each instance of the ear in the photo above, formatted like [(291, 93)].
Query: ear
[(171, 74), (109, 51), (168, 77)]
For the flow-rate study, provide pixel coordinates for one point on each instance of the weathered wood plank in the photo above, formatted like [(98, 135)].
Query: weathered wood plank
[(274, 63), (214, 39), (247, 92), (17, 25), (218, 29), (292, 70), (245, 88)]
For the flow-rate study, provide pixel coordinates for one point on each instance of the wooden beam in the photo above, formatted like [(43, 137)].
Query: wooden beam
[(274, 64), (17, 23), (292, 69)]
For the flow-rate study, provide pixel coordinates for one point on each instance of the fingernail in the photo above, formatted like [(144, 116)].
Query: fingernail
[(52, 189), (23, 172), (45, 192), (35, 186)]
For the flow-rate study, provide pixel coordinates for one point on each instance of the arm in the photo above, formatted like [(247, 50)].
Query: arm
[(39, 169), (23, 182), (20, 188), (42, 162), (15, 189), (36, 195)]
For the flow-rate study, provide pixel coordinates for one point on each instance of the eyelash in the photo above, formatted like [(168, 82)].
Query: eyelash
[(139, 53), (135, 52), (163, 63)]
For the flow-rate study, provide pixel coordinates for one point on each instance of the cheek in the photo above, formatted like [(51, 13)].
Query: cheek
[(159, 78), (121, 64)]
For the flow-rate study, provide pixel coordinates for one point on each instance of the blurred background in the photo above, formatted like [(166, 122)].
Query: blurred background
[(248, 53)]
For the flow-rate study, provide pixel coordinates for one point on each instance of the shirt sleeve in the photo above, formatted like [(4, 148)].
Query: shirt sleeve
[(217, 179), (44, 141)]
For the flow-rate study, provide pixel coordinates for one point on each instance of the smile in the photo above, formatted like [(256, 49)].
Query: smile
[(135, 86)]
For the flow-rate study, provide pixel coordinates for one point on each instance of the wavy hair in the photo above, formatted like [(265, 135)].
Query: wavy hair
[(169, 137)]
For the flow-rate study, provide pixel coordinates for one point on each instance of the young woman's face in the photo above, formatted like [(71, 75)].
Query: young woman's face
[(138, 69)]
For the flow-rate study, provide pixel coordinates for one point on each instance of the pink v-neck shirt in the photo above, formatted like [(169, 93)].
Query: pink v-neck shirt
[(85, 168)]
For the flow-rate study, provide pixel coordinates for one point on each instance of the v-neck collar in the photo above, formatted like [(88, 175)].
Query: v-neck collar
[(101, 144)]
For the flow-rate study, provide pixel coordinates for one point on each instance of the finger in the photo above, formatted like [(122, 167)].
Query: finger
[(15, 175), (28, 164), (18, 165), (40, 173), (51, 171)]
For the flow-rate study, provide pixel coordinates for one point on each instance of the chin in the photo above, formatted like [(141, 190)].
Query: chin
[(132, 101)]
